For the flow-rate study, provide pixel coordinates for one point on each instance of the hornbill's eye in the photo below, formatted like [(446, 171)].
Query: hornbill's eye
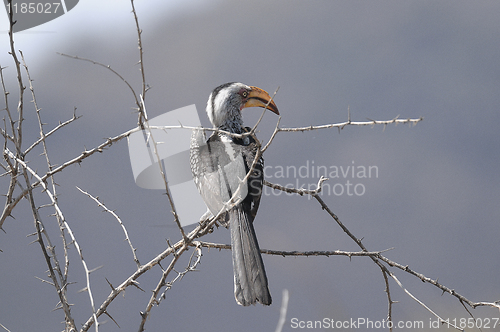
[(244, 94)]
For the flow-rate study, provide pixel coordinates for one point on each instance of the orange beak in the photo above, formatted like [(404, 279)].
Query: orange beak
[(260, 98)]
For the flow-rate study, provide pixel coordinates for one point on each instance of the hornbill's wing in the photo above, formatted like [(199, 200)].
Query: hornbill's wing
[(217, 166)]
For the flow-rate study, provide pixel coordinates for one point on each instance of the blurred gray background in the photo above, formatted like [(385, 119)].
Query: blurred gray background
[(435, 199)]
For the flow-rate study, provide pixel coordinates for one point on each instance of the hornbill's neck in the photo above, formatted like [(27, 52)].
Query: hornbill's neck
[(233, 121)]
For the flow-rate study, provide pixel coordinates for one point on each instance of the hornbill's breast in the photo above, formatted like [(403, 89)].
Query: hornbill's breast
[(219, 167)]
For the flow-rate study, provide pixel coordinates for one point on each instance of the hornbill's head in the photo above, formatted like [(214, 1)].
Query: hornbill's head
[(227, 100)]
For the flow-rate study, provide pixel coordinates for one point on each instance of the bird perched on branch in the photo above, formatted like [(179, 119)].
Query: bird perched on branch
[(228, 171)]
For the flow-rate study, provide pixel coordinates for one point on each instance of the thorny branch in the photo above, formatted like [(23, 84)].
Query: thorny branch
[(378, 258), (61, 218), (108, 67), (340, 126), (131, 280), (127, 237), (63, 276), (18, 170), (299, 253), (142, 111), (162, 171), (6, 329), (155, 297), (194, 260)]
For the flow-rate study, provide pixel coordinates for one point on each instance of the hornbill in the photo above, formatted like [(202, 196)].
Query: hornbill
[(219, 166)]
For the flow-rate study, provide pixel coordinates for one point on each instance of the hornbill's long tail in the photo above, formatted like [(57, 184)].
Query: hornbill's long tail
[(250, 280)]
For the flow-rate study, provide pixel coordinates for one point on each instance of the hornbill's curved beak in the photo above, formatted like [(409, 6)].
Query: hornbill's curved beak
[(260, 98)]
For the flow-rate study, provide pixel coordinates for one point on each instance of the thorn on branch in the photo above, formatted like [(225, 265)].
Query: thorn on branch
[(107, 314), (95, 269), (110, 285), (136, 284)]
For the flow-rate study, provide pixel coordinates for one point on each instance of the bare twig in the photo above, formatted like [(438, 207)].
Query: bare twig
[(142, 111), (127, 238), (62, 275), (16, 132), (284, 253), (283, 310), (162, 172), (161, 283), (341, 125), (315, 194), (275, 132), (6, 329), (382, 267), (424, 305), (62, 296), (254, 128), (155, 299), (85, 154), (300, 191), (445, 289), (194, 260), (200, 229), (50, 132), (108, 67), (378, 258)]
